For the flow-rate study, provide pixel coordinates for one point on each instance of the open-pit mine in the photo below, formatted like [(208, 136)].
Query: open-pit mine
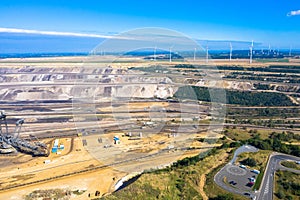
[(79, 128)]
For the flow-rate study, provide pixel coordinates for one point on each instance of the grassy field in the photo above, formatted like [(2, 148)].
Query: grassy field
[(291, 164), (272, 60), (183, 181), (239, 134), (287, 186)]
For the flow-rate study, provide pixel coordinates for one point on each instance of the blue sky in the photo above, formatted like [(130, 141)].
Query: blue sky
[(265, 21)]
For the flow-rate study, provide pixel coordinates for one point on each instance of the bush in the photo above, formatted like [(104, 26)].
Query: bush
[(223, 197), (249, 161), (280, 194), (234, 144)]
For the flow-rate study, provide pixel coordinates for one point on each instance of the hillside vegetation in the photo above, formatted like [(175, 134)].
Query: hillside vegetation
[(244, 98), (183, 180)]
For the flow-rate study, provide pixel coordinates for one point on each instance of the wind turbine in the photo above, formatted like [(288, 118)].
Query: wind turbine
[(251, 52), (206, 53), (230, 54), (170, 54), (269, 49), (290, 53)]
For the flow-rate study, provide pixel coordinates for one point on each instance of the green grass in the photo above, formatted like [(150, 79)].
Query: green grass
[(237, 134), (291, 164), (258, 180), (180, 181), (273, 60), (240, 134)]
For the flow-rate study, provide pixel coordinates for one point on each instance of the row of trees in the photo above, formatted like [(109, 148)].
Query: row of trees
[(267, 123), (273, 143), (263, 112), (278, 69), (244, 98)]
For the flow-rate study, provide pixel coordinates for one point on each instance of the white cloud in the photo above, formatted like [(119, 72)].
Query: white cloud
[(15, 30), (293, 13)]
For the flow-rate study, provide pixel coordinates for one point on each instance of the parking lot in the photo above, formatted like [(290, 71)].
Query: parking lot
[(236, 179), (241, 177)]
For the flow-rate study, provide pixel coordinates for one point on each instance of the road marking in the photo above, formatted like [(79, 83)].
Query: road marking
[(235, 170), (267, 186)]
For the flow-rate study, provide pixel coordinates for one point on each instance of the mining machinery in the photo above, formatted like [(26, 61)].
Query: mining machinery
[(11, 143)]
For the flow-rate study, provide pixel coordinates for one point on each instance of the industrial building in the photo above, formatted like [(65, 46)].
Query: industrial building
[(56, 146)]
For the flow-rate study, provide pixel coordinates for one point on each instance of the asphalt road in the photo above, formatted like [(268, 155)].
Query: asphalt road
[(267, 187), (233, 172), (242, 149)]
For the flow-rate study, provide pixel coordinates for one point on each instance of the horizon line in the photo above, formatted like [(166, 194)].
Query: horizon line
[(91, 35)]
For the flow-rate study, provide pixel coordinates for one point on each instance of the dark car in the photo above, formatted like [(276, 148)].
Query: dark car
[(232, 183), (250, 184), (247, 194)]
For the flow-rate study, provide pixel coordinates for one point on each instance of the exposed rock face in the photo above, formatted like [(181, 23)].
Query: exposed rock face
[(65, 82), (245, 85), (234, 85), (31, 83), (143, 87)]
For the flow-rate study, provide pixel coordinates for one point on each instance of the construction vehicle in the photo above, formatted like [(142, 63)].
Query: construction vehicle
[(10, 143)]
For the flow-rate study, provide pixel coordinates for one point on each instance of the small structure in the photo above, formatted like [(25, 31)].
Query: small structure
[(54, 150), (47, 161), (55, 147), (148, 123), (56, 141), (116, 140)]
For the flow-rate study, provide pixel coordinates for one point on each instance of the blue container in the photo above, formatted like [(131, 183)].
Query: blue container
[(54, 150)]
